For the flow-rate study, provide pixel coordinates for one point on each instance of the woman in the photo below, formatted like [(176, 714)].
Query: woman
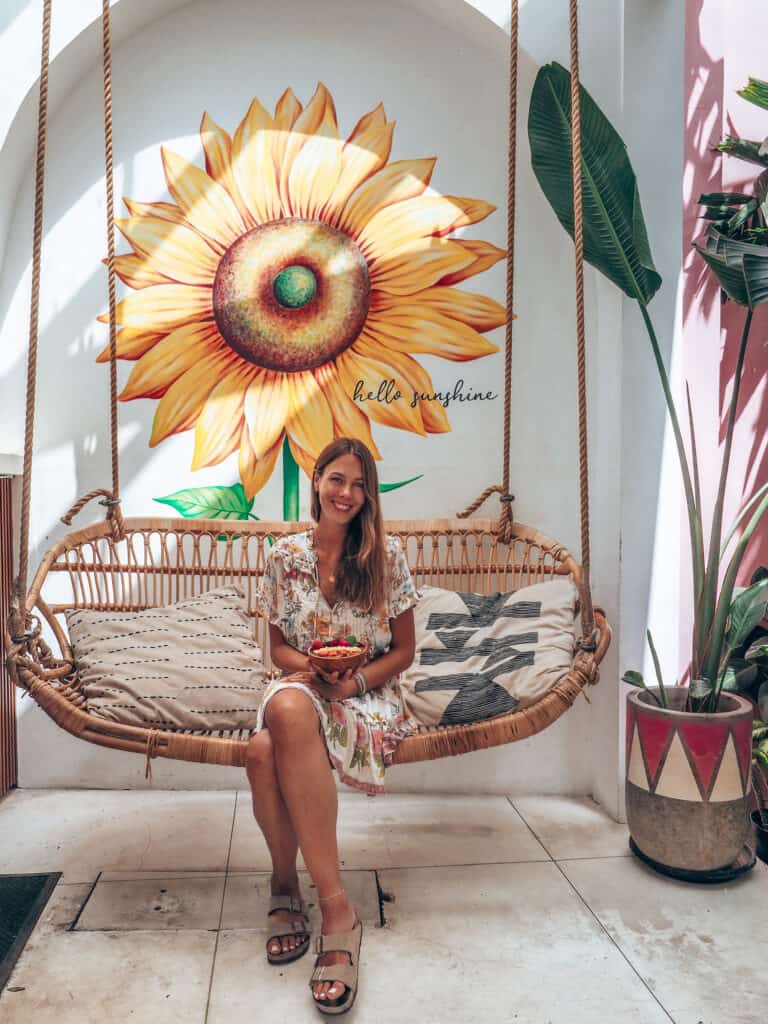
[(342, 577)]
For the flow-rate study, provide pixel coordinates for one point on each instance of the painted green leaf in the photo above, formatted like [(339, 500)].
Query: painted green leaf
[(615, 237), (383, 488), (210, 502)]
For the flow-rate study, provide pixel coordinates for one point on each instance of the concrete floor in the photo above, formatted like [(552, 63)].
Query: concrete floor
[(475, 909)]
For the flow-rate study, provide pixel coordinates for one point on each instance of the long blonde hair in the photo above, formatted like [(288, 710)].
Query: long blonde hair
[(362, 570)]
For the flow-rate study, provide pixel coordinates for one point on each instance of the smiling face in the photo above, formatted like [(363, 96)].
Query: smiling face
[(341, 489)]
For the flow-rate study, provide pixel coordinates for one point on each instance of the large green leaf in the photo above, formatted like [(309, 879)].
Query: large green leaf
[(210, 502), (756, 91), (740, 267), (747, 610), (615, 238)]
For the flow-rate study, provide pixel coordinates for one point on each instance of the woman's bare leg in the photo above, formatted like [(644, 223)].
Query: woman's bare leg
[(274, 821), (308, 789)]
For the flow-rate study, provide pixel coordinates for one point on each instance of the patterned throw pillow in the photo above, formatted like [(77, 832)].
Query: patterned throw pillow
[(482, 655), (191, 665)]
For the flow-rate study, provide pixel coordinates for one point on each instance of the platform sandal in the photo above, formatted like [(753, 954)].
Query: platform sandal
[(338, 942), (280, 929)]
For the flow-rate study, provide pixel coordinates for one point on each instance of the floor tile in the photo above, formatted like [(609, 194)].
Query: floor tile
[(571, 827), (403, 830), (93, 977), (82, 832), (700, 948), (246, 900), (154, 905)]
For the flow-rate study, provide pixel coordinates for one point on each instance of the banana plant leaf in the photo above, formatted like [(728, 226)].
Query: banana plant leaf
[(740, 267), (756, 92), (615, 237)]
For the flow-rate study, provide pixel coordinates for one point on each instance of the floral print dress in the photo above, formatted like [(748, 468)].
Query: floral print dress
[(361, 733)]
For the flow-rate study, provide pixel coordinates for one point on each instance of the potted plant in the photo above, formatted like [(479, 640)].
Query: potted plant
[(688, 748), (760, 772)]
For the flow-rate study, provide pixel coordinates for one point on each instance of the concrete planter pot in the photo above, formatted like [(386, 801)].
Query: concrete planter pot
[(688, 781)]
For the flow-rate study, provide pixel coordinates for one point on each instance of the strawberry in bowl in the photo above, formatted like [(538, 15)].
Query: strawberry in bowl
[(337, 654)]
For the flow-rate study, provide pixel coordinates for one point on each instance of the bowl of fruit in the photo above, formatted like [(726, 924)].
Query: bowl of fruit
[(337, 654)]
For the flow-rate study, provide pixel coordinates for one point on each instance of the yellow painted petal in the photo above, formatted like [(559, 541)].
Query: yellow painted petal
[(315, 169), (167, 360), (135, 271), (182, 403), (303, 130), (418, 265), (364, 153), (206, 205), (361, 363), (477, 311), (131, 344), (253, 164), (394, 183), (406, 222), (471, 211), (220, 422), (254, 473), (163, 211), (217, 146), (171, 249), (414, 377), (484, 255), (348, 418), (287, 111), (163, 307), (304, 459), (424, 330), (266, 408), (309, 422)]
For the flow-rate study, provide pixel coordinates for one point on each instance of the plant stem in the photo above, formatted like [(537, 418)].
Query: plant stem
[(694, 518), (290, 485), (713, 563)]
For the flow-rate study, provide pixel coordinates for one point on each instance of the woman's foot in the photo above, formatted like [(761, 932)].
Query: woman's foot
[(291, 911), (338, 916)]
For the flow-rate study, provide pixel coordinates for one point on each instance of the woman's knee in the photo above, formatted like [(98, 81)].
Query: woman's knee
[(260, 753), (290, 714)]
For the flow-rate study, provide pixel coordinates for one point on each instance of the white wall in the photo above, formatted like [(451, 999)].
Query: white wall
[(440, 69)]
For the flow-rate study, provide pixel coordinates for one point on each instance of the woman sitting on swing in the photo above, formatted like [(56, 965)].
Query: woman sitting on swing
[(343, 577)]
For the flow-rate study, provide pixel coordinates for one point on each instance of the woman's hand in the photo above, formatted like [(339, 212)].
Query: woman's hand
[(334, 685)]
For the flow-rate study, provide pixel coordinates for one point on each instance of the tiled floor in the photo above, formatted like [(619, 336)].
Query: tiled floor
[(530, 912)]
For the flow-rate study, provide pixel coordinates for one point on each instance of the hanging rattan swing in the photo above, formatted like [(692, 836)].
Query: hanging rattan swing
[(132, 564)]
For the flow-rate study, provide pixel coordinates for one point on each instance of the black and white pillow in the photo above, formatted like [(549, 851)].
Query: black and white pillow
[(482, 655), (191, 665)]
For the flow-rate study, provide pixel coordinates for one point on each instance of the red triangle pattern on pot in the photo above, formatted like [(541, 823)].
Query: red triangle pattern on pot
[(742, 738), (631, 716), (655, 733), (705, 742)]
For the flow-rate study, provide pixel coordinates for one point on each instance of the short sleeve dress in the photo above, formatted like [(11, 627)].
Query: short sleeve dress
[(361, 733)]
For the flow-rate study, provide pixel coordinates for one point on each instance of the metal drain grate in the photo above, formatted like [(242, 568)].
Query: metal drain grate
[(22, 899)]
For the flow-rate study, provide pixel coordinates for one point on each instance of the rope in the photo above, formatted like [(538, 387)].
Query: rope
[(506, 521), (587, 611), (153, 741), (37, 245), (114, 515), (109, 180)]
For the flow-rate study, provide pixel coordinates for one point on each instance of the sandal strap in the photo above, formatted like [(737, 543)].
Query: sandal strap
[(284, 901), (341, 942), (344, 973), (281, 928)]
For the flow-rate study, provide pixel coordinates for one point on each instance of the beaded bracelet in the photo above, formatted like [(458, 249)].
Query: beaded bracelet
[(362, 683)]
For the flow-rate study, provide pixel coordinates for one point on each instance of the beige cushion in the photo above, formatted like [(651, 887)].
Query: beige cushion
[(191, 665), (482, 655)]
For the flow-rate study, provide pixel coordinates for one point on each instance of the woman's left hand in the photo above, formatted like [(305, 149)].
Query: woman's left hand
[(334, 685)]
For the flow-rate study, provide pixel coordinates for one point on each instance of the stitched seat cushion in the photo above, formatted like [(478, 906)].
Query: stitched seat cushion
[(191, 665), (482, 655)]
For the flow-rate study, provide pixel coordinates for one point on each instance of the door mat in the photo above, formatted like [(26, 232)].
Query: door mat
[(22, 899)]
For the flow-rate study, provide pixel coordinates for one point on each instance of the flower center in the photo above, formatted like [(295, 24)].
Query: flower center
[(295, 287), (291, 295)]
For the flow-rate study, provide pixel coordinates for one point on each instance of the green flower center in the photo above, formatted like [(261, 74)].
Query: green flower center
[(295, 287)]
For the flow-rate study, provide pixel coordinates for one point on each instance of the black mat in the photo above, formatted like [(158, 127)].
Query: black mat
[(22, 899)]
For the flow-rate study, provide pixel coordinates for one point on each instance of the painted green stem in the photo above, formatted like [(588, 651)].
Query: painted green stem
[(709, 597), (694, 515), (290, 485)]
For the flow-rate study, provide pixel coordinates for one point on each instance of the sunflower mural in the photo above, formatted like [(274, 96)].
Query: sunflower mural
[(297, 271)]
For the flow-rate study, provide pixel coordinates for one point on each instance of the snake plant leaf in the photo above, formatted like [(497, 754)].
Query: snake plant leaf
[(756, 91), (740, 267), (210, 502), (615, 237), (744, 149), (384, 488)]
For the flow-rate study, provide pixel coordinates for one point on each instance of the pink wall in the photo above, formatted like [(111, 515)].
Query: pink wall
[(722, 51)]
